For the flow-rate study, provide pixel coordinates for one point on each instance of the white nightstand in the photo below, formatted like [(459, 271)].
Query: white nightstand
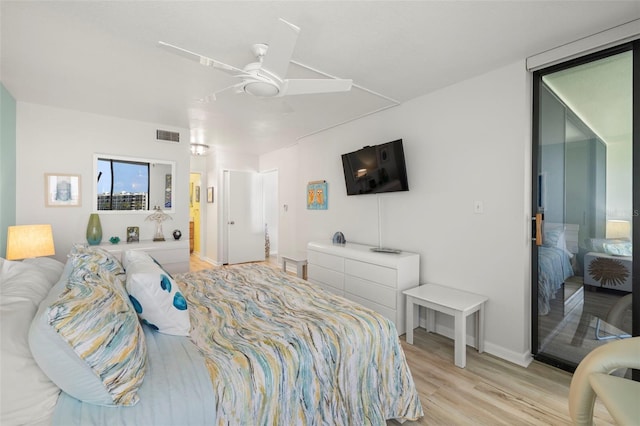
[(450, 301)]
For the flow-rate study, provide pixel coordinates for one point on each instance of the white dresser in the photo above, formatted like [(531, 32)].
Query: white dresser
[(171, 254), (375, 280)]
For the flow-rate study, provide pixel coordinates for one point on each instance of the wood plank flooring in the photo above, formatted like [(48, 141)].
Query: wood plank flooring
[(489, 391)]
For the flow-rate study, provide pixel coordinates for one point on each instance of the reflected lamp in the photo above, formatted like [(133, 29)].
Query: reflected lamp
[(25, 241), (619, 229)]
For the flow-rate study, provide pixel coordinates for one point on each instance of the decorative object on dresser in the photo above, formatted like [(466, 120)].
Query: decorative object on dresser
[(375, 280), (94, 230), (27, 241), (133, 234), (114, 240), (158, 216), (338, 238)]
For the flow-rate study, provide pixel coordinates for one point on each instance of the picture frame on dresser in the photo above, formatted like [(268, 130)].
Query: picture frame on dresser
[(133, 234), (62, 190)]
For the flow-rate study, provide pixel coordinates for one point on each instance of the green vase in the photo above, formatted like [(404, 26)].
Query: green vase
[(94, 230)]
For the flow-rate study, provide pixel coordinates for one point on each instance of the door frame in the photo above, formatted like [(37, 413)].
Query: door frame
[(633, 46)]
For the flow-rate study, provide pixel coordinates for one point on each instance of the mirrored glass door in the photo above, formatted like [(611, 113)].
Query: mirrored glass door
[(583, 203)]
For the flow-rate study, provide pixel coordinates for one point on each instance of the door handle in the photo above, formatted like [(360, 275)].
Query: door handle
[(537, 220), (232, 223)]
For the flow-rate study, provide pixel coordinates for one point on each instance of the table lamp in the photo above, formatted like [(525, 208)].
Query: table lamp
[(26, 241), (618, 229)]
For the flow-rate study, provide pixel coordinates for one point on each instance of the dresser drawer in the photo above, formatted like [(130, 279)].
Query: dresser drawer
[(327, 277), (386, 312), (379, 274), (369, 290), (325, 260)]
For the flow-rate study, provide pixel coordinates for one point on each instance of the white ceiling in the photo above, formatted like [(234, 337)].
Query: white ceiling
[(103, 56)]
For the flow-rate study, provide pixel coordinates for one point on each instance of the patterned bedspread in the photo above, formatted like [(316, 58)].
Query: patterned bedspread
[(554, 267), (281, 352)]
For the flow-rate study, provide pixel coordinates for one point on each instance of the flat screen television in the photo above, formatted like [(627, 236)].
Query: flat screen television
[(376, 169)]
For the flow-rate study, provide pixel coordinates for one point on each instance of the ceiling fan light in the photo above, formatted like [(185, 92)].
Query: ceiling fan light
[(199, 149), (261, 89)]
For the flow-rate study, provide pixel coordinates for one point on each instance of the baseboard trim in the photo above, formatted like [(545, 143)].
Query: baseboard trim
[(521, 359)]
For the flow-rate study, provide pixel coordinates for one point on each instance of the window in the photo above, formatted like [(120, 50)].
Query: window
[(122, 185)]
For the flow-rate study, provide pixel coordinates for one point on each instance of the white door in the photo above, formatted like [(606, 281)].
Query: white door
[(244, 217)]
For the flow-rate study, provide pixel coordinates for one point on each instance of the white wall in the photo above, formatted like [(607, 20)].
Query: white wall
[(54, 140), (620, 181), (467, 142)]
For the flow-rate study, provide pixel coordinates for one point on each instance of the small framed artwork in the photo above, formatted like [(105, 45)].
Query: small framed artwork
[(210, 194), (317, 195), (133, 234), (197, 194), (62, 190)]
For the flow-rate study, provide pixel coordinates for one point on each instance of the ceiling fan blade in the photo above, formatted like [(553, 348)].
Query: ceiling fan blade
[(203, 60), (280, 50), (305, 86), (212, 97)]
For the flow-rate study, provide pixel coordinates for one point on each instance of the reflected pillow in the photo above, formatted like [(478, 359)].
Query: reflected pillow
[(618, 248)]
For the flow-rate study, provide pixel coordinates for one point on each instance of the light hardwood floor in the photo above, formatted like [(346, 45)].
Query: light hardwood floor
[(489, 391)]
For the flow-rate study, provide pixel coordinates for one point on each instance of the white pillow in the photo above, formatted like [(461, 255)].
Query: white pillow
[(28, 396), (155, 295)]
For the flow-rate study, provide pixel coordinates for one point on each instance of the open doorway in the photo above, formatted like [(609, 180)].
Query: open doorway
[(583, 195), (271, 219), (195, 199)]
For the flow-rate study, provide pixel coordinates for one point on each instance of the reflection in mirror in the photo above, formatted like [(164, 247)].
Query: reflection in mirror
[(133, 184)]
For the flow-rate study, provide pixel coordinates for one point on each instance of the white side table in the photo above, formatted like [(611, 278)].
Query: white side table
[(301, 264), (450, 301)]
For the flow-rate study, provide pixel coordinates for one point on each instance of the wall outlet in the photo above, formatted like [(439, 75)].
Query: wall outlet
[(478, 207)]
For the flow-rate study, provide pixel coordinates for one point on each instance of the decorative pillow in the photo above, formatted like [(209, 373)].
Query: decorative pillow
[(28, 395), (155, 295), (88, 340), (598, 244), (98, 259), (624, 248), (553, 237)]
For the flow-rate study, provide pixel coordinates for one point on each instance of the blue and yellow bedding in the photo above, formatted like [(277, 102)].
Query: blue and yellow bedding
[(265, 348), (280, 351), (554, 267)]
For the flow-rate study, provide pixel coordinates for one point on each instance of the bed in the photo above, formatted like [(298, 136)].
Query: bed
[(554, 262), (259, 347)]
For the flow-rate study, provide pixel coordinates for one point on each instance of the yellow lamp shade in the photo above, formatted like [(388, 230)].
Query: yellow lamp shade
[(29, 241), (618, 229)]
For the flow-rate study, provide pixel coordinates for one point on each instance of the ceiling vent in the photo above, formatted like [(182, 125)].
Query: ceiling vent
[(167, 136)]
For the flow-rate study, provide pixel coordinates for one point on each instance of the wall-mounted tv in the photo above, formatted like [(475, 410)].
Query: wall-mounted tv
[(376, 169)]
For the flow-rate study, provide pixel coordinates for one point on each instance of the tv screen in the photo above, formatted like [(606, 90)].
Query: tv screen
[(376, 169)]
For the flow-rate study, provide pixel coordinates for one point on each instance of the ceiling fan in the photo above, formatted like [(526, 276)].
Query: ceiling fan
[(266, 77)]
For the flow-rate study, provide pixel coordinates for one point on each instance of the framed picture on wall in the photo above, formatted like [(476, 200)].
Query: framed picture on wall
[(210, 194), (317, 195), (62, 190)]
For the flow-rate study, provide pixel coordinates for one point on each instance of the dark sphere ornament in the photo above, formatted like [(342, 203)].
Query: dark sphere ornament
[(177, 234)]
